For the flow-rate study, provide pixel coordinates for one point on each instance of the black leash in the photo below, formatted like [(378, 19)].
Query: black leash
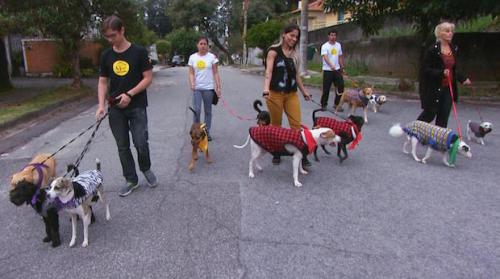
[(328, 110), (77, 163)]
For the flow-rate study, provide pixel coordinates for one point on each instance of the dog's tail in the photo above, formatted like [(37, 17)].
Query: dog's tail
[(97, 164), (245, 144), (256, 105), (194, 111), (314, 115), (72, 167), (396, 130)]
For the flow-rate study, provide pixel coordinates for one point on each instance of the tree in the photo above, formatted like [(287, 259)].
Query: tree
[(303, 36), (156, 17), (69, 21), (209, 16), (183, 41), (163, 47), (264, 34), (371, 14), (5, 83)]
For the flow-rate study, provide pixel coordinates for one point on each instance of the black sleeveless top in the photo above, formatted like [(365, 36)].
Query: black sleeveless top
[(284, 74)]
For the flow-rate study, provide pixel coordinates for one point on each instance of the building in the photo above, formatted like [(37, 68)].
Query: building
[(317, 18)]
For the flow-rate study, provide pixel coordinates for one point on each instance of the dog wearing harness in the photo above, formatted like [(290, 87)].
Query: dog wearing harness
[(348, 130), (377, 101), (288, 142), (356, 99), (29, 187), (436, 138), (75, 196)]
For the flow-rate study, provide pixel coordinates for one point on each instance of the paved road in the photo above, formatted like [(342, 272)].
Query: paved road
[(378, 215)]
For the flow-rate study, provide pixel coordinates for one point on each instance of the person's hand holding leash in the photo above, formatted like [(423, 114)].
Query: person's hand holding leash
[(265, 94), (467, 82), (307, 96), (99, 114), (125, 99)]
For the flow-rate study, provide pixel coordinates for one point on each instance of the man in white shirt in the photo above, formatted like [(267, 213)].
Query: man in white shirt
[(333, 68)]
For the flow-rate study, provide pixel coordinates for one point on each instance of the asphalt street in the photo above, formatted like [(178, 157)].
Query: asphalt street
[(379, 214)]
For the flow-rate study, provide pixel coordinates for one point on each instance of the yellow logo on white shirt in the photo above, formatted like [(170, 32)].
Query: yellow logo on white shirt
[(120, 68), (200, 65), (334, 51)]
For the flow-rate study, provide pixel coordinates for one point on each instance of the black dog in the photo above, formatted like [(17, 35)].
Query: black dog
[(263, 117), (349, 132), (23, 193)]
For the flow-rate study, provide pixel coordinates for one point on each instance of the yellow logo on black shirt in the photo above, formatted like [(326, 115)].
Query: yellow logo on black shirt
[(120, 68)]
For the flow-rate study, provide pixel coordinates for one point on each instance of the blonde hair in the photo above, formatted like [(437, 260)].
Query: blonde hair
[(441, 26), (294, 53)]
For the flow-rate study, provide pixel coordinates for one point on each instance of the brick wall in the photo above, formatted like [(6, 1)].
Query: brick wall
[(41, 55)]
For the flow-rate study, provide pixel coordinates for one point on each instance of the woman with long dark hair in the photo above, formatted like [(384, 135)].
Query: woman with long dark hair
[(282, 79)]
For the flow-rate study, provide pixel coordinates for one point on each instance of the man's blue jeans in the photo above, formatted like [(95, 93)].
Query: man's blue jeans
[(206, 96), (134, 121)]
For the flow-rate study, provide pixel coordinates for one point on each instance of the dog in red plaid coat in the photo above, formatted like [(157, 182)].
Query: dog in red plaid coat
[(349, 132), (286, 142)]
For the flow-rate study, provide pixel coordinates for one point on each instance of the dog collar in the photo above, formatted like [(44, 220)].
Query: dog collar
[(38, 167), (356, 135), (203, 145)]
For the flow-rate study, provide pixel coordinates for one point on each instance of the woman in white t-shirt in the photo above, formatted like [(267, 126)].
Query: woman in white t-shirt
[(204, 80)]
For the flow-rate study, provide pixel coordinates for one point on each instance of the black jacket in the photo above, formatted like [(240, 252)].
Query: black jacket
[(431, 76)]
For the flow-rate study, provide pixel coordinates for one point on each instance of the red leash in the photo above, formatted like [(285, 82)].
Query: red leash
[(233, 112), (455, 114)]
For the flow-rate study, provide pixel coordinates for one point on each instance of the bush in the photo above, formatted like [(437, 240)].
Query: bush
[(263, 35), (183, 41), (62, 69)]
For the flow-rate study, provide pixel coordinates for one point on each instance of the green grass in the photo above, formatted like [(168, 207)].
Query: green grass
[(353, 69), (13, 111), (480, 24)]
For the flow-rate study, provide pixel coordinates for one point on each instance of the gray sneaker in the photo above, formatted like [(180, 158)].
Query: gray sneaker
[(127, 189), (151, 178)]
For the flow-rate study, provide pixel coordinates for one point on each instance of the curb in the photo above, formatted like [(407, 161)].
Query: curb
[(37, 113)]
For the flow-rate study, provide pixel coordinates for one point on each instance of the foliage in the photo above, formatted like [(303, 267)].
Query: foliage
[(264, 34), (183, 41), (62, 69), (163, 47), (370, 14), (480, 24), (156, 17)]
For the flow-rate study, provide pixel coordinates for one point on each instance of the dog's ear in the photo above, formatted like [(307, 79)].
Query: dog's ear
[(327, 134)]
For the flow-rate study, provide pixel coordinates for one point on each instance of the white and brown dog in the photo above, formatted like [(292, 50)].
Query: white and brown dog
[(286, 142), (437, 138), (75, 196), (477, 131), (377, 101), (356, 99)]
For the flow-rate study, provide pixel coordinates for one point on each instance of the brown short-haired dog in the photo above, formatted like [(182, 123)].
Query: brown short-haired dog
[(199, 141), (31, 175), (356, 99)]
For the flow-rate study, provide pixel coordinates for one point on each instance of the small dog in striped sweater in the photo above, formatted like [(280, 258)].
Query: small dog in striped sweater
[(437, 138)]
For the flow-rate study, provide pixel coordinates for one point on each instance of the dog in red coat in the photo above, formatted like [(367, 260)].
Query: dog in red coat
[(348, 130)]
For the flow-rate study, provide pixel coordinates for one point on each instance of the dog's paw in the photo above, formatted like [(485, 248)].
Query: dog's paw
[(298, 184), (191, 167), (85, 244), (259, 168), (72, 243), (108, 217), (424, 161), (209, 161), (46, 239), (251, 175), (303, 172)]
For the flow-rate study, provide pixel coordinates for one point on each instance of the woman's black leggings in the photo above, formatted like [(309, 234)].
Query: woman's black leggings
[(443, 110)]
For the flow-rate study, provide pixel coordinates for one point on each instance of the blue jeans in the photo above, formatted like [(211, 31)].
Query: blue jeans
[(206, 96), (135, 121)]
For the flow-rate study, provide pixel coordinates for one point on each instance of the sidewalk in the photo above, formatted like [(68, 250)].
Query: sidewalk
[(386, 82)]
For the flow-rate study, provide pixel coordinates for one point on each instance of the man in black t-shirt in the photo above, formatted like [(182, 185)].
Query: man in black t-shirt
[(129, 71)]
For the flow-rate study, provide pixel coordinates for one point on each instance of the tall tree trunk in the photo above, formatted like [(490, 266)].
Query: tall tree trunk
[(5, 83), (303, 36)]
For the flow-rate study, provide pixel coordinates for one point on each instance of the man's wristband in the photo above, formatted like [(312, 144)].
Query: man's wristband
[(129, 95), (265, 93)]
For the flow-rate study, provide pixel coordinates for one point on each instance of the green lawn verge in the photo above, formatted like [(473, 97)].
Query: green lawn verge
[(10, 112)]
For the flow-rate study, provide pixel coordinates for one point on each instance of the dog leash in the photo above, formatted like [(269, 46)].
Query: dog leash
[(330, 111), (476, 106), (232, 112), (455, 114)]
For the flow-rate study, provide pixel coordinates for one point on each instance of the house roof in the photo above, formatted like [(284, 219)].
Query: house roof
[(314, 6)]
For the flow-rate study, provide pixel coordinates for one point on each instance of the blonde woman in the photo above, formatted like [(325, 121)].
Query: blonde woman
[(439, 66), (282, 79)]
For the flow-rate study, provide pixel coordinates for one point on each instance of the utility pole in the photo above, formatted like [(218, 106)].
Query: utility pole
[(304, 7), (246, 3)]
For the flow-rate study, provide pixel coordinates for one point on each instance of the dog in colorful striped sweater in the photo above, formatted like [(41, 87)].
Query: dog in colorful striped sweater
[(437, 138)]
